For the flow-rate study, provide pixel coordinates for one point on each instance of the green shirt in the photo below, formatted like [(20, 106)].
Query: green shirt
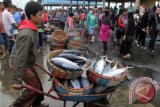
[(91, 20)]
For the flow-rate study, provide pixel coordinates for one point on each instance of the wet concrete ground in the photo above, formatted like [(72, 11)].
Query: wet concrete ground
[(143, 63)]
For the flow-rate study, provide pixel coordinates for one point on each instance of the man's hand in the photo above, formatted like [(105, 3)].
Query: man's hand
[(17, 86)]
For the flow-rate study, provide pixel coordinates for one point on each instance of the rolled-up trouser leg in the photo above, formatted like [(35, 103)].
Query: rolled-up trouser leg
[(29, 98)]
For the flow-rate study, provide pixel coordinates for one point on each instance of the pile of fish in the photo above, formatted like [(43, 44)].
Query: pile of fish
[(103, 67), (70, 60), (77, 83)]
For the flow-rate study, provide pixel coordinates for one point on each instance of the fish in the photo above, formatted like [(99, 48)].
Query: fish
[(99, 66), (109, 61), (73, 58), (115, 72), (64, 82), (75, 52), (116, 65), (85, 68), (106, 58), (84, 82), (65, 64), (93, 63), (75, 83), (106, 68)]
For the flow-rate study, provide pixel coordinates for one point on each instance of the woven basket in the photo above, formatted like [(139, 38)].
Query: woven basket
[(74, 43), (59, 36), (60, 88), (105, 80), (57, 47), (58, 72), (73, 47)]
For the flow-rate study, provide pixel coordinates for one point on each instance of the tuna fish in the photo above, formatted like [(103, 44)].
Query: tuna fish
[(116, 72), (75, 83), (84, 82), (65, 83), (73, 58), (65, 64), (116, 65), (100, 66), (93, 63), (106, 68), (75, 52)]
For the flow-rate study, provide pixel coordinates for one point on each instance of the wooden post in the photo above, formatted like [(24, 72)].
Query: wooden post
[(137, 3), (109, 3), (96, 3), (88, 4), (71, 4), (62, 3), (103, 7), (77, 4)]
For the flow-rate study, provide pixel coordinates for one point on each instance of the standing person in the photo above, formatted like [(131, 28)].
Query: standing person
[(41, 36), (63, 19), (153, 22), (70, 21), (3, 36), (105, 30), (45, 16), (91, 23), (122, 22), (8, 20), (129, 35), (23, 58), (83, 19), (143, 30), (13, 31)]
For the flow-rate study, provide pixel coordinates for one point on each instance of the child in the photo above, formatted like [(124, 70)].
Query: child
[(105, 31)]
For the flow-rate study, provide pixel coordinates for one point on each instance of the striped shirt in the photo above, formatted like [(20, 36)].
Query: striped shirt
[(8, 20)]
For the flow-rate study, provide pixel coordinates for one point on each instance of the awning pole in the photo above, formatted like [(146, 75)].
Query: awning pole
[(83, 3), (62, 3), (103, 5), (71, 4)]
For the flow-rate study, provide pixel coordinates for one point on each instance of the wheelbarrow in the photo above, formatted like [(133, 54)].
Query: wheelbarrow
[(90, 98)]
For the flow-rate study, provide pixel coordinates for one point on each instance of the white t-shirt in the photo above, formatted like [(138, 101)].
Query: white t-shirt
[(8, 20)]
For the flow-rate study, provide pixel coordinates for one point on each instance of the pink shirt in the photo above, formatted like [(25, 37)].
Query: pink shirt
[(83, 16)]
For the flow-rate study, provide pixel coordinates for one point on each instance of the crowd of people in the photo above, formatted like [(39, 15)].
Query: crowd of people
[(124, 25)]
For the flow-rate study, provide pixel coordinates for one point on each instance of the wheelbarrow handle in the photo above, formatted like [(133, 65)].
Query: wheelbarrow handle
[(39, 91), (44, 70)]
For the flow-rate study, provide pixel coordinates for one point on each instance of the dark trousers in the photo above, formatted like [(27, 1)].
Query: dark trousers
[(153, 34), (82, 24), (41, 39), (142, 37), (29, 98), (126, 46), (105, 45), (136, 33), (62, 25)]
